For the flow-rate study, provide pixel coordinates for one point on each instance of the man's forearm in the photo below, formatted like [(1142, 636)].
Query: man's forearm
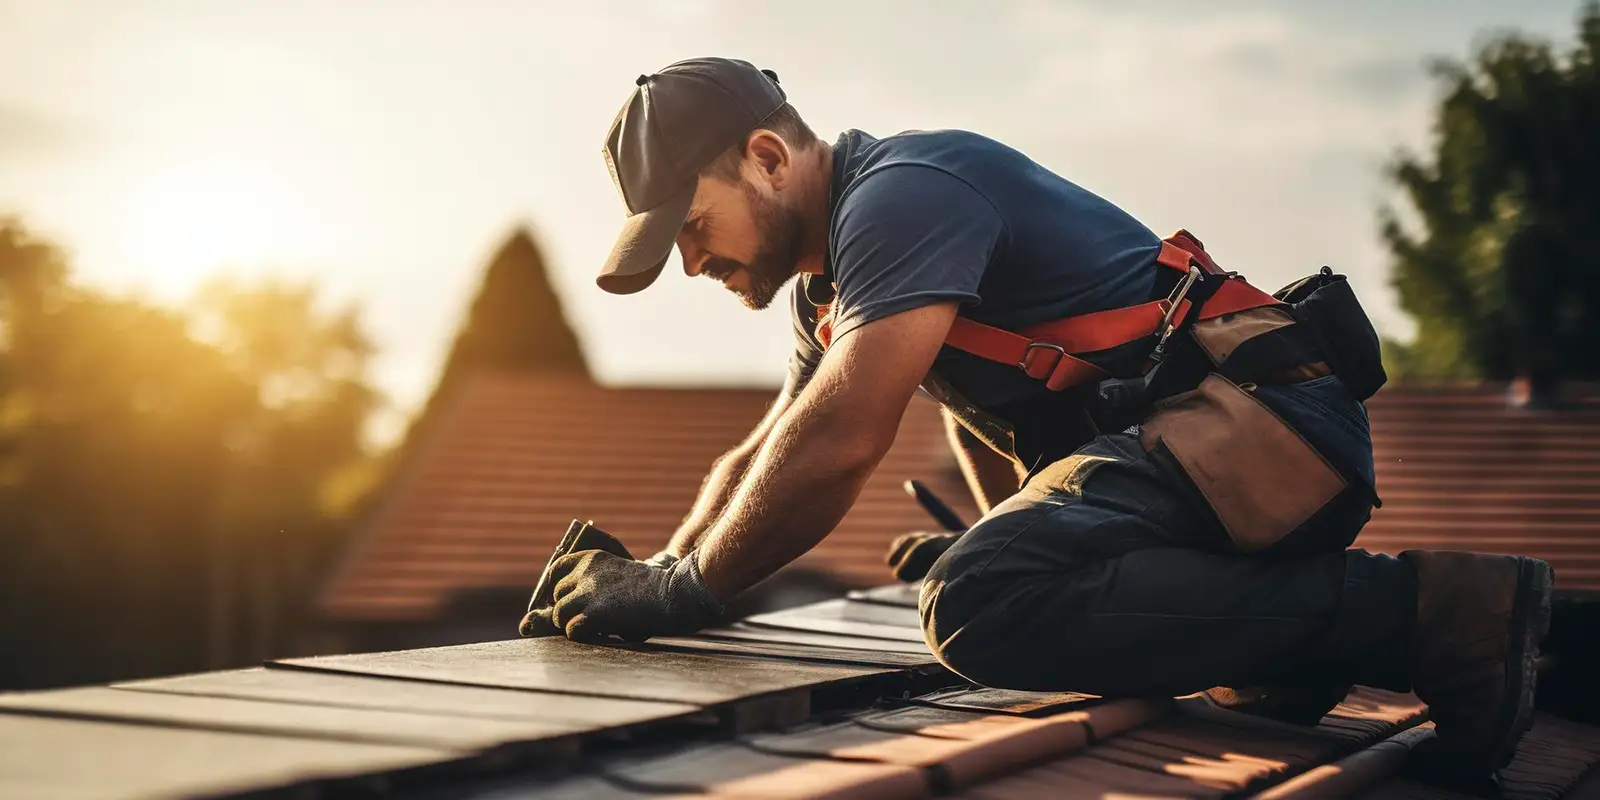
[(724, 477), (720, 484), (799, 486)]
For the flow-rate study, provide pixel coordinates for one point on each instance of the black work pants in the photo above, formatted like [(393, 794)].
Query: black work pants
[(1107, 575)]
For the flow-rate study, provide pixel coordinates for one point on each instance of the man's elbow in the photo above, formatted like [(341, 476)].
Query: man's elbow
[(858, 443)]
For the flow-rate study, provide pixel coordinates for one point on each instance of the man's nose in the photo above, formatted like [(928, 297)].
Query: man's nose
[(694, 261)]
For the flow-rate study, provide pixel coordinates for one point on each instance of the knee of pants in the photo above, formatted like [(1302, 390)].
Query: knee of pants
[(986, 649), (965, 640), (947, 629)]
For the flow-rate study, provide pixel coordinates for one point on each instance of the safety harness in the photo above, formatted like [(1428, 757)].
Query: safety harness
[(1191, 396), (1051, 351)]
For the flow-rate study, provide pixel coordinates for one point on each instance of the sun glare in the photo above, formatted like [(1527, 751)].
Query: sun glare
[(199, 217)]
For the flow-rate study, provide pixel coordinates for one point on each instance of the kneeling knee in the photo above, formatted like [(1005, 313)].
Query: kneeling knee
[(967, 642)]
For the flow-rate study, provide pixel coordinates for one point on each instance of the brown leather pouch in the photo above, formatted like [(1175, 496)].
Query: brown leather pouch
[(1261, 477), (1220, 336)]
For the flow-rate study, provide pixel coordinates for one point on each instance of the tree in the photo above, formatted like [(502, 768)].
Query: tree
[(1499, 269), (516, 324), (303, 430), (516, 321), (160, 469)]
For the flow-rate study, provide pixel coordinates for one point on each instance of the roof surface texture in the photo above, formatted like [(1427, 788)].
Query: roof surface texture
[(514, 458), (757, 710)]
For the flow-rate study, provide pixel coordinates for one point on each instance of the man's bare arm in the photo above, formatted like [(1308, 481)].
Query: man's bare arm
[(991, 477), (813, 464), (724, 476)]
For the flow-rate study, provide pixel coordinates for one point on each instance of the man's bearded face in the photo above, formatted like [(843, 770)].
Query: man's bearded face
[(767, 235)]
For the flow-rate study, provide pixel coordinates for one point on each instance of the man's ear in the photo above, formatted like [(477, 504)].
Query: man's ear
[(770, 156)]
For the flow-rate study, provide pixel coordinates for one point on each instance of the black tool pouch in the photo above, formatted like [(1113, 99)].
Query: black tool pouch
[(1343, 333)]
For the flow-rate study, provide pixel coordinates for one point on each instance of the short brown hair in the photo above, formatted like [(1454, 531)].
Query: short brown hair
[(785, 122)]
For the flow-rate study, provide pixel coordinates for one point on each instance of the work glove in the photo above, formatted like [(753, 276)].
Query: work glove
[(580, 537), (540, 621), (599, 595), (911, 555)]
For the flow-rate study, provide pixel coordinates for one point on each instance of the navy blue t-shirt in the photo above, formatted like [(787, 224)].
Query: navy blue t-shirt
[(928, 216)]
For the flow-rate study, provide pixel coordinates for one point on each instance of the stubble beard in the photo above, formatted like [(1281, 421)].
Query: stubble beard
[(783, 236)]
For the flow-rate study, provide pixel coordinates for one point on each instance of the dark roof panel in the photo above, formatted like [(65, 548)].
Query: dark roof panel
[(559, 666), (42, 757), (728, 726)]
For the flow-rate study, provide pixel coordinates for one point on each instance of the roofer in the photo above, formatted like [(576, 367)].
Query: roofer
[(1169, 485)]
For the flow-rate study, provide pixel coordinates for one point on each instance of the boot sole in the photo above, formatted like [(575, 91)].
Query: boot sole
[(1530, 623)]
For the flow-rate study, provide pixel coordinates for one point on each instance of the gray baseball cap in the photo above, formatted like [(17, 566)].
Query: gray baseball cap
[(676, 122)]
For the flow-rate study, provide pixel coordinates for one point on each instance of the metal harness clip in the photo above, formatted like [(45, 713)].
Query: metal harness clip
[(1173, 300)]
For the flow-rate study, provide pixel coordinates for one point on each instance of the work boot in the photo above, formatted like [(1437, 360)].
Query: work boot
[(1480, 620)]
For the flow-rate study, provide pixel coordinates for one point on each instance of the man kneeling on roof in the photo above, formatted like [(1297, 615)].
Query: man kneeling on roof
[(1171, 463)]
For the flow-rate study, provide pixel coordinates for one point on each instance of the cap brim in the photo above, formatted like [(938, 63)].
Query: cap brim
[(644, 245)]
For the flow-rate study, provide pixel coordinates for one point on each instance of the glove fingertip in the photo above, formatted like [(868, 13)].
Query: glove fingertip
[(582, 629), (898, 549), (538, 623)]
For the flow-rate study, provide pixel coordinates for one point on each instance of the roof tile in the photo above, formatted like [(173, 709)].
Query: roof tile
[(514, 458)]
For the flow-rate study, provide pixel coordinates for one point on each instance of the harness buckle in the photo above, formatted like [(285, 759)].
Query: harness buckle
[(1023, 364)]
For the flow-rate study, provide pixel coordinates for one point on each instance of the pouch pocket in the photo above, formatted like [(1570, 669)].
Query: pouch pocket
[(1260, 477), (1286, 358), (1329, 308)]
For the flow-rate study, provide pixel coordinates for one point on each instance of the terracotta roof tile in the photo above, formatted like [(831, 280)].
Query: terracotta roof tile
[(514, 458), (1554, 759), (1460, 470)]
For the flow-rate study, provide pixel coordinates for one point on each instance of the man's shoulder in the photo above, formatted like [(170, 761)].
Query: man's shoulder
[(935, 162), (949, 149), (934, 141)]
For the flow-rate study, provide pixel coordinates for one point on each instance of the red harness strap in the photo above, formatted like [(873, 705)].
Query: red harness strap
[(1044, 351)]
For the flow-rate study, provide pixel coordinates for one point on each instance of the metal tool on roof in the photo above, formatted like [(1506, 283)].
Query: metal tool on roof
[(931, 503), (581, 535)]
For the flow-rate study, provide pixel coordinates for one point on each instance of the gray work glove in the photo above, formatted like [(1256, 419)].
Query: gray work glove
[(911, 555), (599, 595), (580, 537)]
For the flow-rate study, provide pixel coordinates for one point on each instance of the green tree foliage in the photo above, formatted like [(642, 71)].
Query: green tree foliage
[(162, 471), (1499, 269)]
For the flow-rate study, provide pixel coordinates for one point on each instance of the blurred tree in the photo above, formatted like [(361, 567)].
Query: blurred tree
[(1498, 270), (161, 470), (516, 321), (303, 431)]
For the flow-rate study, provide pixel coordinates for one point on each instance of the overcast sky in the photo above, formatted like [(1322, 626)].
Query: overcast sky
[(386, 147)]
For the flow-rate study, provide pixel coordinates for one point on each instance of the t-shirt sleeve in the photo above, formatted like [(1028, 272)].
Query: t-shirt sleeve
[(908, 236)]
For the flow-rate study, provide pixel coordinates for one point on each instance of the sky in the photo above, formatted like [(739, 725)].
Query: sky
[(385, 148)]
